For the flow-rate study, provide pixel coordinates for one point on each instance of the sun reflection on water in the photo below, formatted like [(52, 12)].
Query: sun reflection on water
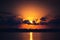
[(31, 36)]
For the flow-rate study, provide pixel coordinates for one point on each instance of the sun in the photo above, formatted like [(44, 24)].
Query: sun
[(31, 22)]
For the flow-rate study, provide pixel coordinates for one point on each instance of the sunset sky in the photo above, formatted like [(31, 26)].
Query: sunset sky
[(31, 10)]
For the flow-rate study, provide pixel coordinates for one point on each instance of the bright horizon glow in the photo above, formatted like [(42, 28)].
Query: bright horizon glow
[(32, 12)]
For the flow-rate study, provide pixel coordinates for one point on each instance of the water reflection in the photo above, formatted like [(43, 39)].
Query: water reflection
[(30, 36)]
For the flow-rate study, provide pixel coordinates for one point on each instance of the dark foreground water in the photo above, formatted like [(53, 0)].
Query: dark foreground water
[(29, 35)]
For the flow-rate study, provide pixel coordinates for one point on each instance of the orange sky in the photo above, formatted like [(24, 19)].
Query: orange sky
[(32, 11)]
